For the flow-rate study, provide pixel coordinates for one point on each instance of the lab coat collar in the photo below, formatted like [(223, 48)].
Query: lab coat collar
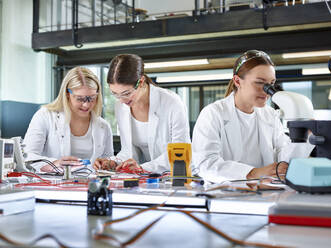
[(266, 131), (96, 134), (232, 127), (63, 131), (153, 118), (233, 134), (126, 129), (153, 121)]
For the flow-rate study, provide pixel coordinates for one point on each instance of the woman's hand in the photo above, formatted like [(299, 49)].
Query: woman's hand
[(104, 164), (130, 165), (67, 160), (269, 170)]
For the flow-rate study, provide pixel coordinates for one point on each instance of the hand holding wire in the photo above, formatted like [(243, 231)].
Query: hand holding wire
[(130, 166), (269, 170), (66, 160), (104, 164)]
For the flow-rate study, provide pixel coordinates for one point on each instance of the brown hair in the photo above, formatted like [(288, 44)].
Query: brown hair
[(127, 69), (245, 63)]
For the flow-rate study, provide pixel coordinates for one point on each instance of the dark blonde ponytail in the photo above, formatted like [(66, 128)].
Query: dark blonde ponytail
[(231, 87)]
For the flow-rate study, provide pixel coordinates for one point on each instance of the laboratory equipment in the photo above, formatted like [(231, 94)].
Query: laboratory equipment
[(7, 163), (99, 197), (293, 106), (310, 174), (67, 172), (179, 155), (321, 135), (299, 214), (20, 155)]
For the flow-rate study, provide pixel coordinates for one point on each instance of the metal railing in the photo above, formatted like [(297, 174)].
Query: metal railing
[(57, 15)]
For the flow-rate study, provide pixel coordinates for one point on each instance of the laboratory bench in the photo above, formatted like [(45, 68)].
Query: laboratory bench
[(63, 214)]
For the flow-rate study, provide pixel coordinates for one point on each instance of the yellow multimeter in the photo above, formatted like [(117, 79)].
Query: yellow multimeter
[(180, 155)]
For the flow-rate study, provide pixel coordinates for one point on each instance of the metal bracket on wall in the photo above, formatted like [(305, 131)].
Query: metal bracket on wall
[(266, 4), (75, 24)]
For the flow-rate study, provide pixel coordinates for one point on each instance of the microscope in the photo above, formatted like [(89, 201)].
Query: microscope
[(312, 175), (298, 110)]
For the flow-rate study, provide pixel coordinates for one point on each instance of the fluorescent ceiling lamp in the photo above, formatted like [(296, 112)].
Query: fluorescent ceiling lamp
[(315, 71), (176, 63), (192, 78), (306, 54)]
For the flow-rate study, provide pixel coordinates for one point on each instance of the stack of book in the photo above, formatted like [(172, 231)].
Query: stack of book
[(14, 201)]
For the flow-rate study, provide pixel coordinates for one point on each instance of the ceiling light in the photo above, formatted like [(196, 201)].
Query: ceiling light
[(176, 63), (193, 78), (306, 54), (315, 71), (330, 94)]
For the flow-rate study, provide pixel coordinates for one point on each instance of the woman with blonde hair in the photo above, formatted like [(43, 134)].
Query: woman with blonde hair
[(70, 128), (240, 137)]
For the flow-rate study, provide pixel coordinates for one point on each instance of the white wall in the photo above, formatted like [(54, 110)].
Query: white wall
[(25, 74)]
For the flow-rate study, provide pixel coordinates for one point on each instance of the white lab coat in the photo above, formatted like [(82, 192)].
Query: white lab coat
[(167, 123), (217, 145), (48, 137)]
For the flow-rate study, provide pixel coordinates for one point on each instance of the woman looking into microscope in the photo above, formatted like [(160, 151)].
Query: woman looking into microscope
[(240, 137)]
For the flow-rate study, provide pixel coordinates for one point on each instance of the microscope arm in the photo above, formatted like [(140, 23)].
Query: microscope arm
[(293, 106)]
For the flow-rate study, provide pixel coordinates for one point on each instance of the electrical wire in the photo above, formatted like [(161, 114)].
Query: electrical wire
[(101, 235), (278, 173), (83, 172), (48, 162), (33, 242), (228, 237), (48, 183)]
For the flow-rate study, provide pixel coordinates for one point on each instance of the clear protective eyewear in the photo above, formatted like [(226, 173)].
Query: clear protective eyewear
[(251, 54), (127, 94), (83, 99)]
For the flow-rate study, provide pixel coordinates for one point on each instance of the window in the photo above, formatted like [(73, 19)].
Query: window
[(108, 103), (318, 91), (197, 97)]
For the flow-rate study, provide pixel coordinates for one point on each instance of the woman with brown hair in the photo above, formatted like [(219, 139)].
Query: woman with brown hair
[(148, 117), (240, 137)]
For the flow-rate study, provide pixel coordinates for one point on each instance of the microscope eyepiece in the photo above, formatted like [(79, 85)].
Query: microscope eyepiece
[(269, 89)]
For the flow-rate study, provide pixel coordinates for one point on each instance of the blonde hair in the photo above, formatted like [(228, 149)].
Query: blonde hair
[(76, 78)]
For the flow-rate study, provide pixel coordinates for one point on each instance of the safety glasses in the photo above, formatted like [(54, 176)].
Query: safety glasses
[(251, 54), (126, 94), (83, 99)]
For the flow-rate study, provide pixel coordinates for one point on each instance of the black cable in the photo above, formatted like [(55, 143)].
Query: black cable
[(278, 173), (57, 170), (84, 172), (53, 166)]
